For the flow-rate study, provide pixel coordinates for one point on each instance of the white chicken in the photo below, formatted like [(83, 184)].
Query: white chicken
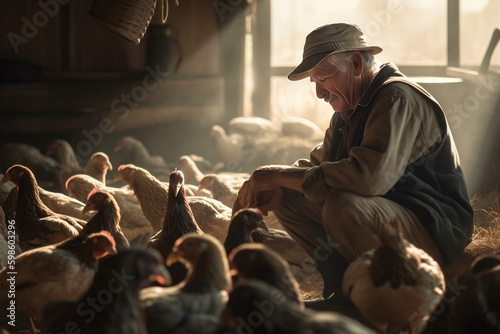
[(395, 284)]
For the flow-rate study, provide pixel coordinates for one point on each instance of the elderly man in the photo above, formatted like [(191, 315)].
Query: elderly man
[(388, 156)]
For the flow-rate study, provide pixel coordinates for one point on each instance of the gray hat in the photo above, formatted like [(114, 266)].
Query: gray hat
[(327, 40)]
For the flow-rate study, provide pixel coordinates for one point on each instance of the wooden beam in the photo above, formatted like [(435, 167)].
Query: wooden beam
[(453, 19), (261, 31)]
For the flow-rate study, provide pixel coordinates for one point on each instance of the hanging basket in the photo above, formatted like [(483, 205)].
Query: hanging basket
[(128, 18)]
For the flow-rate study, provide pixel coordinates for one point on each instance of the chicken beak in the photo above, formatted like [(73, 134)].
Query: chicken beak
[(161, 275), (108, 165), (177, 189), (112, 250), (5, 179), (87, 208), (174, 256)]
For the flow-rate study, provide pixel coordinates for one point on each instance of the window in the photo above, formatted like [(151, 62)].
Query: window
[(412, 33)]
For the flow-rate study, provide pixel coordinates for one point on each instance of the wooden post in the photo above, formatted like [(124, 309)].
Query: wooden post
[(453, 17), (261, 31)]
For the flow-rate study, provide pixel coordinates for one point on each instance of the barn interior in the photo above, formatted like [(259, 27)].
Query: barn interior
[(91, 72), (64, 75)]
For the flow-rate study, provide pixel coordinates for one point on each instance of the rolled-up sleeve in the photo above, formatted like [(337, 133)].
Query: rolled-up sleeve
[(397, 132)]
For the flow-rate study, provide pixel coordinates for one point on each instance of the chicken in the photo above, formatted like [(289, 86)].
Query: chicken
[(98, 166), (36, 224), (45, 168), (194, 175), (55, 272), (68, 163), (9, 243), (56, 201), (257, 261), (219, 189), (150, 192), (395, 284), (472, 302), (252, 126), (179, 220), (185, 307), (259, 308), (241, 227), (136, 153), (107, 217), (301, 127), (212, 216), (248, 226), (110, 305)]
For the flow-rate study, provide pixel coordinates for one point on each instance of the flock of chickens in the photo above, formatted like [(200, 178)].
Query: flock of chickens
[(159, 249)]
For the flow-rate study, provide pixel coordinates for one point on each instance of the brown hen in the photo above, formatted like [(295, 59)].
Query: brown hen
[(98, 166), (107, 217), (179, 220), (62, 271), (110, 305), (194, 305), (36, 224)]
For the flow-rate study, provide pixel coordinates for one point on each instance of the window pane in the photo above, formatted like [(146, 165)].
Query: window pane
[(410, 32), (478, 19)]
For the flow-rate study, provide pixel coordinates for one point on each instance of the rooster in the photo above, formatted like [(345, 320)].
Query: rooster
[(107, 217), (179, 220), (110, 305), (188, 306), (55, 272), (36, 224), (257, 261), (395, 284), (259, 308)]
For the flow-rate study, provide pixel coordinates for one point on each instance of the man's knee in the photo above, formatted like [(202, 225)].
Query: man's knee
[(341, 212)]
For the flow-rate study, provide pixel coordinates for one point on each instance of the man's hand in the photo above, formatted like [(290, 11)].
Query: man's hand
[(263, 189)]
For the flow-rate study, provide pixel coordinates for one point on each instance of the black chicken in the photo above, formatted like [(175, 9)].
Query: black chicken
[(178, 221), (240, 229), (110, 306), (256, 307)]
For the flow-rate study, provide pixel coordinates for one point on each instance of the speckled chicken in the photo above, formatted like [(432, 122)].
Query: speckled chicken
[(60, 271), (107, 217), (179, 220), (188, 306), (98, 166), (133, 222), (36, 224), (257, 261), (110, 305), (395, 284), (259, 308)]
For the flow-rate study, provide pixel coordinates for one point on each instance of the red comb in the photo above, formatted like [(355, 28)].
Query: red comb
[(178, 242), (92, 193), (122, 167), (110, 237)]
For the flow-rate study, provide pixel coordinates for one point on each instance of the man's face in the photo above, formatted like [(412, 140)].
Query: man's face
[(334, 86)]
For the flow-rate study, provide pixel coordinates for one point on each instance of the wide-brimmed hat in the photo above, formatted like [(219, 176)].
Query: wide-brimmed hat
[(327, 40)]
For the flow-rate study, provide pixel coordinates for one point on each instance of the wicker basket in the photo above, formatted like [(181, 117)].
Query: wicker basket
[(128, 18)]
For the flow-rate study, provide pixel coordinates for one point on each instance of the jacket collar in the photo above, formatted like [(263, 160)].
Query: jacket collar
[(386, 71)]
